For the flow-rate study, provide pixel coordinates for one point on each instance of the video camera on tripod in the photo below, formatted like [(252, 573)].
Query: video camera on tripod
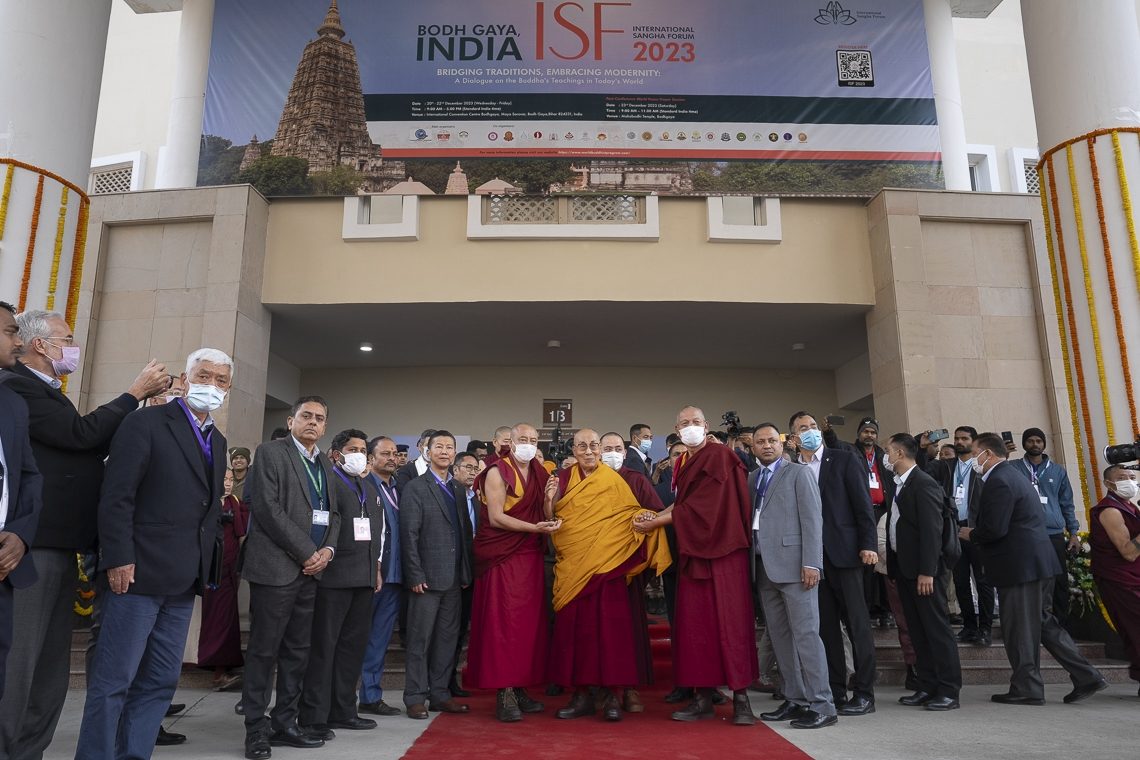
[(1121, 453)]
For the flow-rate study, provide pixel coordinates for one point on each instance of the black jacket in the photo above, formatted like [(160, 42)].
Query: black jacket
[(356, 562), (1011, 532), (919, 529), (70, 449), (160, 505), (633, 461), (24, 483), (848, 520)]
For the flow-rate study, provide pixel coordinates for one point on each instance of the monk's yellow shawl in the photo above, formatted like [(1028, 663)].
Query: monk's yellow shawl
[(597, 533)]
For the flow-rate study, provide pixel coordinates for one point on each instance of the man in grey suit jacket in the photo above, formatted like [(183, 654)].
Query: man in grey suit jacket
[(435, 539), (787, 539), (294, 525)]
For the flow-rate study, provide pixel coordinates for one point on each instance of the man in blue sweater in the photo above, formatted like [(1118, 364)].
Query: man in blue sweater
[(1052, 484)]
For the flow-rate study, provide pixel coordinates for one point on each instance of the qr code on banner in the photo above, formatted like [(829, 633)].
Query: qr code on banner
[(855, 68)]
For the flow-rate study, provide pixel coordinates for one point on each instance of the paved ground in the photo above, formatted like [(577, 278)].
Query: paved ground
[(1102, 728)]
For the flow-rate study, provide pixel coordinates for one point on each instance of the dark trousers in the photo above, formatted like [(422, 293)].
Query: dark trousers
[(280, 632), (971, 563), (936, 651), (841, 604), (905, 644), (134, 673), (40, 661), (385, 610), (1123, 605), (465, 597), (1027, 624), (341, 619), (5, 629), (669, 587), (1061, 581), (433, 628)]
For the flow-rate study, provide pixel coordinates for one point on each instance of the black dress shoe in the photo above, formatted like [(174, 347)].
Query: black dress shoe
[(319, 731), (942, 704), (380, 708), (911, 679), (678, 695), (967, 635), (581, 705), (168, 739), (355, 723), (238, 708), (294, 737), (257, 747), (858, 705), (1013, 699), (611, 708), (983, 639), (528, 704), (786, 711), (1084, 692), (457, 690), (701, 708), (918, 699), (174, 709), (812, 719)]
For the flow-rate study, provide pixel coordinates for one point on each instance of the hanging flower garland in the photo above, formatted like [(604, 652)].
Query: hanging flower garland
[(31, 244), (5, 196), (57, 253)]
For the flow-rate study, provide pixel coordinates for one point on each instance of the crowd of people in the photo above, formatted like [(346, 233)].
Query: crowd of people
[(544, 557)]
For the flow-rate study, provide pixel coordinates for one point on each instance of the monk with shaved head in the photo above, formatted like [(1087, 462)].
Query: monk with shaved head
[(508, 648), (714, 634)]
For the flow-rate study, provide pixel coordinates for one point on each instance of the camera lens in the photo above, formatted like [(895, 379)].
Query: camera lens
[(1125, 452)]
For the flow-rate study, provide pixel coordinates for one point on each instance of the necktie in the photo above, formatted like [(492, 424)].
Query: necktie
[(765, 476)]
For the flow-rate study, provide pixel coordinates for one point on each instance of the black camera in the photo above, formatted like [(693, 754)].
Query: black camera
[(1121, 453), (560, 447), (731, 424)]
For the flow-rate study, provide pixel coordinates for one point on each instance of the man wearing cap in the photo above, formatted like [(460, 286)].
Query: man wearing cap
[(239, 463), (1056, 494), (401, 455), (881, 486)]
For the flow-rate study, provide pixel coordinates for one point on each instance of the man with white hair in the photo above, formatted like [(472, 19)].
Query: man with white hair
[(69, 449), (158, 520)]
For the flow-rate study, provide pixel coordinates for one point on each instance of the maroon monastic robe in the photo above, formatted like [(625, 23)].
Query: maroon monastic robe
[(219, 642)]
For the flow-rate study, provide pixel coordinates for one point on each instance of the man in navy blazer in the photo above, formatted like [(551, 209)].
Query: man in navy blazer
[(21, 488), (158, 522), (849, 543)]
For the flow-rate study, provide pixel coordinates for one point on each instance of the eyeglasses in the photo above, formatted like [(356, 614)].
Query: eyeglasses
[(593, 446), (469, 467)]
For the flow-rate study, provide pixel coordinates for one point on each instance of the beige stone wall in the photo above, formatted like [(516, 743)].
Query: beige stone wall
[(964, 330), (168, 273), (475, 400), (824, 258)]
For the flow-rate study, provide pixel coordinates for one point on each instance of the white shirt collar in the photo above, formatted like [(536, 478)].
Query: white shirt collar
[(54, 382), (305, 452), (905, 475), (816, 456), (635, 450)]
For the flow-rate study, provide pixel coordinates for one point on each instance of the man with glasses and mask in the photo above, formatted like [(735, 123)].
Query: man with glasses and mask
[(509, 636), (70, 449), (1114, 533), (467, 466)]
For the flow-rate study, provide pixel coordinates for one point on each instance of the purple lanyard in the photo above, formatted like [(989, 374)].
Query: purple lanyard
[(390, 492), (358, 490), (203, 443)]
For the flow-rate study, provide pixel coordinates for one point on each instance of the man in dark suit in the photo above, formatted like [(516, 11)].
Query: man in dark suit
[(914, 561), (965, 489), (1019, 559), (435, 538), (640, 444), (20, 488), (343, 609), (386, 602), (417, 467), (294, 529), (69, 449), (787, 541), (849, 543), (158, 522), (464, 470)]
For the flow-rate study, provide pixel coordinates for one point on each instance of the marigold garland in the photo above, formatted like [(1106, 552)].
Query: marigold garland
[(31, 243), (57, 253), (1069, 387), (1126, 197), (1112, 291), (5, 196), (1079, 372), (77, 256)]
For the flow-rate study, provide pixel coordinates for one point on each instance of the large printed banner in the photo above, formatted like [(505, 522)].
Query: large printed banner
[(625, 80)]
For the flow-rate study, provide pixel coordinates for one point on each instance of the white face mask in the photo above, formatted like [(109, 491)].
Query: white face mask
[(203, 397), (524, 452), (613, 459), (354, 463), (1126, 489), (888, 465), (692, 435), (977, 467)]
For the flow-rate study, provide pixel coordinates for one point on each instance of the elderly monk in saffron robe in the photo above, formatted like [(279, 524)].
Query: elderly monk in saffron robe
[(508, 647), (714, 635), (598, 554)]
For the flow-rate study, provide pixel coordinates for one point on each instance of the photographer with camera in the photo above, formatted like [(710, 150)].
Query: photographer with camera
[(1114, 534)]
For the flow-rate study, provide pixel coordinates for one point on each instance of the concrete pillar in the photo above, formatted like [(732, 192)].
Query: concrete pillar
[(51, 68), (1086, 98), (947, 93), (178, 160)]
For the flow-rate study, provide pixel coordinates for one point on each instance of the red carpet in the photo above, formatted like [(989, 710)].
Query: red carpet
[(651, 734)]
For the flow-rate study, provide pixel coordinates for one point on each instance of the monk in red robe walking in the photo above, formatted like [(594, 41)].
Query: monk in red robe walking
[(508, 647), (714, 635)]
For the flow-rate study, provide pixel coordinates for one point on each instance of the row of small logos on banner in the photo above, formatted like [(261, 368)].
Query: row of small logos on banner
[(423, 135)]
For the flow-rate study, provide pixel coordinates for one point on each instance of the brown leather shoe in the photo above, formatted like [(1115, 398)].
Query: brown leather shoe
[(611, 707), (418, 712), (450, 706), (701, 708), (581, 705), (631, 701)]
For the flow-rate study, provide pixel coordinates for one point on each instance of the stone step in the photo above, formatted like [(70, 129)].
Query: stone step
[(893, 673)]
